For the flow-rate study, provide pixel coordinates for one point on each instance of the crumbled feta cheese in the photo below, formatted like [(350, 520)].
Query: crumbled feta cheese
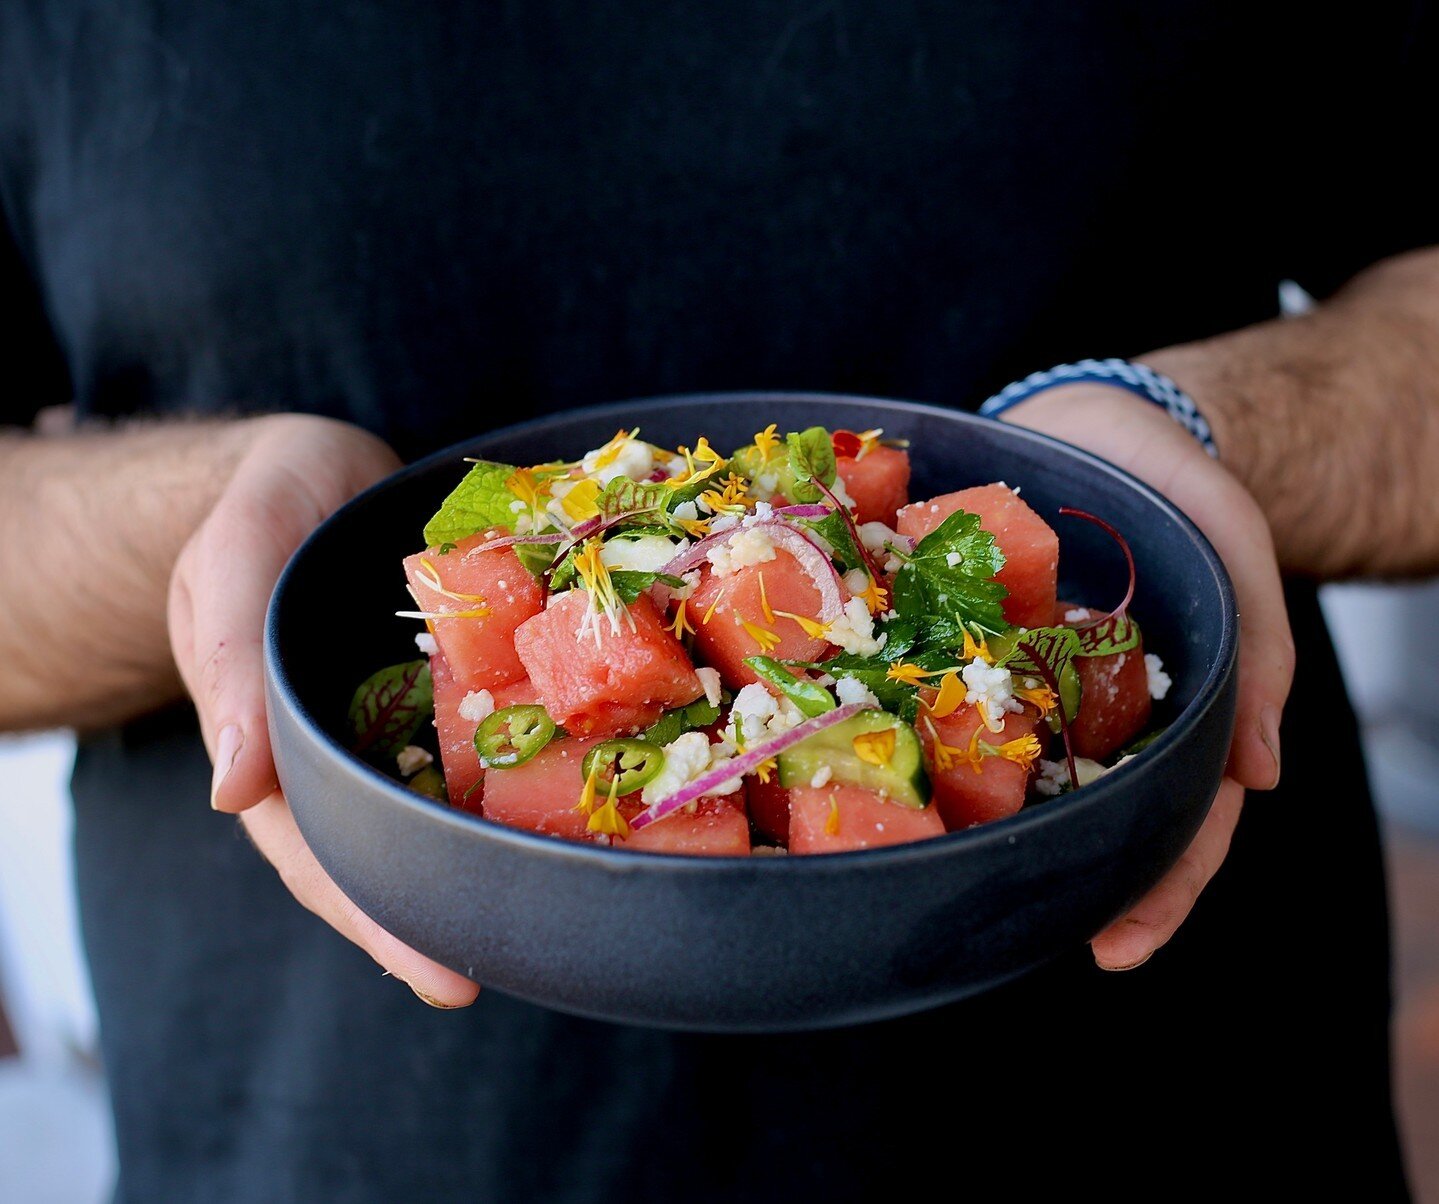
[(851, 689), (953, 558), (746, 547), (676, 465), (516, 506), (686, 758), (994, 687), (1078, 615), (632, 458), (824, 679), (854, 630), (643, 554), (1053, 776), (765, 485), (425, 642), (1159, 680), (856, 581), (756, 714), (841, 494), (875, 536), (477, 706), (687, 511), (821, 776), (411, 759), (710, 680), (762, 512)]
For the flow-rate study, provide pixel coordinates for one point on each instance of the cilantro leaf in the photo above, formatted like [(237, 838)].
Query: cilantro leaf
[(480, 501), (811, 458), (950, 575), (388, 709)]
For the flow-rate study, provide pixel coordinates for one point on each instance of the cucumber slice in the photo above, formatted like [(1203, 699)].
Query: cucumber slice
[(901, 779)]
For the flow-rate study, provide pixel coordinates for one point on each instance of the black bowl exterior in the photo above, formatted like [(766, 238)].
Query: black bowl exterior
[(736, 944)]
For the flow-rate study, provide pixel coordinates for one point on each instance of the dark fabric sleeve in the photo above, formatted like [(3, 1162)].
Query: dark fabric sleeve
[(1361, 160)]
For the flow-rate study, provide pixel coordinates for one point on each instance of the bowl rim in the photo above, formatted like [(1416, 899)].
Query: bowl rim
[(631, 861)]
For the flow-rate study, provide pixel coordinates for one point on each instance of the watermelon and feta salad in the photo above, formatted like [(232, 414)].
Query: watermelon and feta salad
[(774, 650)]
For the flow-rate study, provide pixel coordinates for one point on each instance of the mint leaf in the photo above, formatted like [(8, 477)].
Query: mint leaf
[(388, 709), (670, 726), (477, 503), (811, 458), (631, 583), (929, 587), (1114, 634)]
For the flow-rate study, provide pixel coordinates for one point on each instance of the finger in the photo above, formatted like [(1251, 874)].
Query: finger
[(1235, 526), (273, 829), (218, 598), (1134, 937)]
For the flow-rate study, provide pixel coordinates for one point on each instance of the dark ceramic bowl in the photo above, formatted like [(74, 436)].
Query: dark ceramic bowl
[(733, 944)]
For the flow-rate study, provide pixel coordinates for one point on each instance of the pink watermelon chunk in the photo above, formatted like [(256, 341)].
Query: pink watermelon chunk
[(964, 794), (716, 828), (838, 817), (480, 648), (768, 805), (456, 738), (541, 794), (1029, 544), (598, 681), (878, 481), (720, 606), (1114, 705)]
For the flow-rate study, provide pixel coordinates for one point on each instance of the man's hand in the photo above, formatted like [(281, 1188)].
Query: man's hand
[(1139, 437), (295, 472)]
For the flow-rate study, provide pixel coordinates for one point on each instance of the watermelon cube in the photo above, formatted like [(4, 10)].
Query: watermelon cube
[(878, 481), (837, 818), (456, 738), (720, 608), (717, 827), (595, 680), (541, 794), (490, 593), (1114, 705), (1029, 544), (968, 794)]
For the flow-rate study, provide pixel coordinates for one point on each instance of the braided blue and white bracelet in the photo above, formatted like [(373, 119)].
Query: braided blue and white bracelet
[(1124, 374)]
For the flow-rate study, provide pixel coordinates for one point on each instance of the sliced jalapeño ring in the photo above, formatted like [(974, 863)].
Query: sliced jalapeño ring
[(513, 735), (623, 765)]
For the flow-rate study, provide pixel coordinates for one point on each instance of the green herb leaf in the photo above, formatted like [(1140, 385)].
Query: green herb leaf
[(623, 498), (928, 586), (477, 503), (811, 458), (536, 557), (810, 697), (1117, 633), (1042, 651), (631, 583), (388, 709), (836, 533), (871, 671), (670, 726)]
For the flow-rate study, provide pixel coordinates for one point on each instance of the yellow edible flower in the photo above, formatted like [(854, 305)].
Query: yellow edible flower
[(811, 627), (909, 673), (607, 820), (875, 596), (680, 626), (765, 442), (951, 694), (972, 650), (1023, 751), (875, 748), (767, 640), (581, 502), (831, 824)]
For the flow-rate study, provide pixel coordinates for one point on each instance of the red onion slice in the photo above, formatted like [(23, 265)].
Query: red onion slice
[(750, 759)]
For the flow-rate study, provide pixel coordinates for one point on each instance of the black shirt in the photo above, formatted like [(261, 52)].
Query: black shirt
[(433, 219)]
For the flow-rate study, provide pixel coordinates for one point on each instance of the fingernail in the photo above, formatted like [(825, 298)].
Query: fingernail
[(434, 1003), (1130, 966), (1269, 733), (227, 748)]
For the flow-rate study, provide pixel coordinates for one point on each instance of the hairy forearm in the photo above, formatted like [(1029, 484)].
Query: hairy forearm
[(90, 526), (1332, 421)]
